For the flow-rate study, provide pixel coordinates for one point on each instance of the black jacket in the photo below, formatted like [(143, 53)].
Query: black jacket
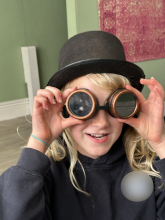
[(38, 188)]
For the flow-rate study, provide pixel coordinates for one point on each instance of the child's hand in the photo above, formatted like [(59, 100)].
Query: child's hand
[(150, 123), (47, 120)]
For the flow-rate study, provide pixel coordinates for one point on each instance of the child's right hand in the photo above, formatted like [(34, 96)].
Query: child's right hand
[(47, 120)]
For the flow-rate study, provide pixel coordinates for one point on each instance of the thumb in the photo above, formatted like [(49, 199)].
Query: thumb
[(130, 121), (71, 121)]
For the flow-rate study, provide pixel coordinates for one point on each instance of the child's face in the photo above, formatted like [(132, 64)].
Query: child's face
[(101, 123)]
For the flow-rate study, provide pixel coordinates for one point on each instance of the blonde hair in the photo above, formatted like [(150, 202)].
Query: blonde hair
[(138, 151)]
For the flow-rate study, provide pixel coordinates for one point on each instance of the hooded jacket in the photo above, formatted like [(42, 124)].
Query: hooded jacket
[(38, 188)]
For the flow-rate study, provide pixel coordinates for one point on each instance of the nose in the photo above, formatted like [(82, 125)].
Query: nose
[(101, 119)]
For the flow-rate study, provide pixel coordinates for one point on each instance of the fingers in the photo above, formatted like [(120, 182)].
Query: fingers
[(45, 100), (158, 101), (151, 83), (51, 98), (157, 93), (154, 86), (59, 97), (51, 93), (147, 107), (41, 101)]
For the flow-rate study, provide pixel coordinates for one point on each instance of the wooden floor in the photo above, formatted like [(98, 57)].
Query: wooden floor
[(10, 142)]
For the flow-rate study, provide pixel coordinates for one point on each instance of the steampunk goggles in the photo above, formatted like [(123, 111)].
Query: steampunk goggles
[(83, 104)]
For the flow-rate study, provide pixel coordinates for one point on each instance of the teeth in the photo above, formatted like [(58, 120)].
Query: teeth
[(97, 135)]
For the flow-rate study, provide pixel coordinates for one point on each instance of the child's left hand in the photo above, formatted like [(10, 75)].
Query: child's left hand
[(150, 123)]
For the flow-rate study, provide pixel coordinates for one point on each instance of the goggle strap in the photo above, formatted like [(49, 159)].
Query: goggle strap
[(65, 112)]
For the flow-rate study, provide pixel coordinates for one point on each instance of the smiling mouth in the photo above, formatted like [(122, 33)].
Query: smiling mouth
[(97, 136)]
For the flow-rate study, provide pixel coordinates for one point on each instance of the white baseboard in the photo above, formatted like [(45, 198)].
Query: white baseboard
[(14, 109)]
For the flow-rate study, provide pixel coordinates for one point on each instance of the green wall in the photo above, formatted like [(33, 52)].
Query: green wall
[(37, 23), (43, 24), (83, 16)]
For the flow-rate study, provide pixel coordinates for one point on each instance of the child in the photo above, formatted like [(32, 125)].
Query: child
[(80, 178)]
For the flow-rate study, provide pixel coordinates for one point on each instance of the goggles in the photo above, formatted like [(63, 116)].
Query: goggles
[(83, 104)]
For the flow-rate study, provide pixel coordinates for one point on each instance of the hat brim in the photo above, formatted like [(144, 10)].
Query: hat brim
[(120, 67)]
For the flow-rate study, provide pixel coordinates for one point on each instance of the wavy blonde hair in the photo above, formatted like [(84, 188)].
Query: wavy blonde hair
[(138, 151)]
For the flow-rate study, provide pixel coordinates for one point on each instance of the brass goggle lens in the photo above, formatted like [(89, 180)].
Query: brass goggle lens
[(124, 107), (122, 103), (80, 104)]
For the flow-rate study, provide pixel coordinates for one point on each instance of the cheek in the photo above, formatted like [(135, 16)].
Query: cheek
[(77, 130), (118, 126)]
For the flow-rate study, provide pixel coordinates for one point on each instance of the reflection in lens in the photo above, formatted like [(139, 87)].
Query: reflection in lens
[(80, 104), (125, 104)]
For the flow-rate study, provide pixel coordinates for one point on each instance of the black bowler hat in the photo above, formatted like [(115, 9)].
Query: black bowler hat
[(94, 52)]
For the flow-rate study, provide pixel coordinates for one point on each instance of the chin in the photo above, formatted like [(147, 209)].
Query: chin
[(96, 152)]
